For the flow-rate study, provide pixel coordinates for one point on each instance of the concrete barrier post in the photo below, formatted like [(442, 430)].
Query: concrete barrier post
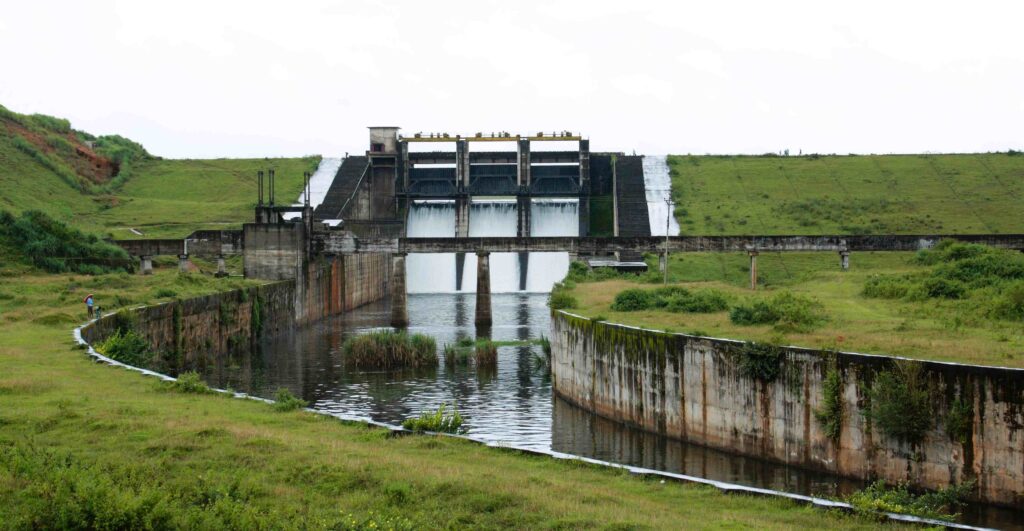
[(183, 263), (145, 265), (483, 289), (844, 259), (222, 270), (399, 307), (753, 269)]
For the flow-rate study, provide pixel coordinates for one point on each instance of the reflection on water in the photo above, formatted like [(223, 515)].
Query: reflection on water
[(512, 404)]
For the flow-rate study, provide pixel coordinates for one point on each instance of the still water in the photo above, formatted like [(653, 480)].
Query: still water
[(512, 404)]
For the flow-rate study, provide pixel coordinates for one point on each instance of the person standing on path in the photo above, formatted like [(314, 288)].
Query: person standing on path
[(88, 304)]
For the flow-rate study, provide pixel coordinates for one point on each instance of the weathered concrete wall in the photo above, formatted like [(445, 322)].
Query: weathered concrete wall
[(693, 389), (274, 251), (194, 333)]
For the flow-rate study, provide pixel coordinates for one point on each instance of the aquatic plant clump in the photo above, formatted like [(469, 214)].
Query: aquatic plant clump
[(439, 421), (387, 349), (485, 354)]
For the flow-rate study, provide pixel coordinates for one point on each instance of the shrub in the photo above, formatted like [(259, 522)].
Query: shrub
[(126, 346), (562, 300), (899, 402), (485, 354), (632, 300), (387, 349), (830, 415), (54, 247), (886, 287), (439, 421), (284, 400), (938, 505), (788, 312), (164, 293), (1010, 305), (760, 361), (700, 301), (941, 288), (190, 382)]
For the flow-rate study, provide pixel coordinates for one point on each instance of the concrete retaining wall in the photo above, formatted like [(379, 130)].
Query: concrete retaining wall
[(693, 389)]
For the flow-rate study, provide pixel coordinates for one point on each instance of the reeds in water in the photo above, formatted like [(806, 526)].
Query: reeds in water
[(387, 349), (486, 353)]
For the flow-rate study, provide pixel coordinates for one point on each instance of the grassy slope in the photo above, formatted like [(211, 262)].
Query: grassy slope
[(163, 198), (972, 193), (219, 462), (929, 330), (171, 198)]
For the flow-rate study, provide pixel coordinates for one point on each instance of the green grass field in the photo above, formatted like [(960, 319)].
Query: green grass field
[(885, 194), (88, 445), (934, 329)]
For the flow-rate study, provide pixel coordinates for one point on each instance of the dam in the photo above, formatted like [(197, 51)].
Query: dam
[(466, 243)]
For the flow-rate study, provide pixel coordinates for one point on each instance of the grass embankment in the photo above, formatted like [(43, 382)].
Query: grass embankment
[(926, 328), (88, 445), (116, 185), (876, 194)]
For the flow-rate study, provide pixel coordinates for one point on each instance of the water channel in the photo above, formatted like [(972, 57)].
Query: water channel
[(511, 405)]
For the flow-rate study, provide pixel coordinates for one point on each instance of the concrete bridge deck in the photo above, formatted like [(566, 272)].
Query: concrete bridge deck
[(342, 243)]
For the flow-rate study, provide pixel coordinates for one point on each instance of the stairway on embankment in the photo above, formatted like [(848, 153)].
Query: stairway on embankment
[(631, 197), (342, 189)]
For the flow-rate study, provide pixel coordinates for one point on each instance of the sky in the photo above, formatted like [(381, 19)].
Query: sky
[(202, 79)]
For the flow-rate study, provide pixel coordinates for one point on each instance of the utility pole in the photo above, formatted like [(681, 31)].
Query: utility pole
[(668, 217)]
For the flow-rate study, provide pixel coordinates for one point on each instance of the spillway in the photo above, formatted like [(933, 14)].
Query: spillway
[(436, 272), (658, 185), (319, 183)]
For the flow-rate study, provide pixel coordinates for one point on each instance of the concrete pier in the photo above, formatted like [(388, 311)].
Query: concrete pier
[(524, 269), (145, 265), (462, 216), (399, 298), (460, 269), (222, 270), (844, 259), (183, 263), (753, 269), (523, 216), (483, 289)]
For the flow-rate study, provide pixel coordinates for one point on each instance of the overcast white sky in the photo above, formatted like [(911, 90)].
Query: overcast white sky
[(214, 78)]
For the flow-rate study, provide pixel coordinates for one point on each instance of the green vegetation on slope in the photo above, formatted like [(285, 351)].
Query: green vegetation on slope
[(115, 185), (978, 328), (84, 445), (55, 247), (876, 194)]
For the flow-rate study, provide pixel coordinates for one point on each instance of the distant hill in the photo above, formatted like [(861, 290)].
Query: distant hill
[(866, 194), (112, 186)]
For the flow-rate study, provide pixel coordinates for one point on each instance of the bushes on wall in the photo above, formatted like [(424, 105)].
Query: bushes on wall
[(900, 402), (830, 414), (760, 361), (959, 420), (126, 346)]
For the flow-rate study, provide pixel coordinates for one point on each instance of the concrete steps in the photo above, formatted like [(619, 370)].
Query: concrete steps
[(341, 189), (632, 202)]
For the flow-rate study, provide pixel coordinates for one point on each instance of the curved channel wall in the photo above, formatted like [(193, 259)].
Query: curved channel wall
[(724, 394), (200, 331)]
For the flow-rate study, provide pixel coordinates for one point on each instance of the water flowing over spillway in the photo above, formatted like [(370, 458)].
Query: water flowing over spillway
[(433, 272), (658, 184), (319, 183), (436, 272), (551, 217)]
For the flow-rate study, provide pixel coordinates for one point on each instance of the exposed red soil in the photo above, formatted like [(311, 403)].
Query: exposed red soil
[(84, 161)]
